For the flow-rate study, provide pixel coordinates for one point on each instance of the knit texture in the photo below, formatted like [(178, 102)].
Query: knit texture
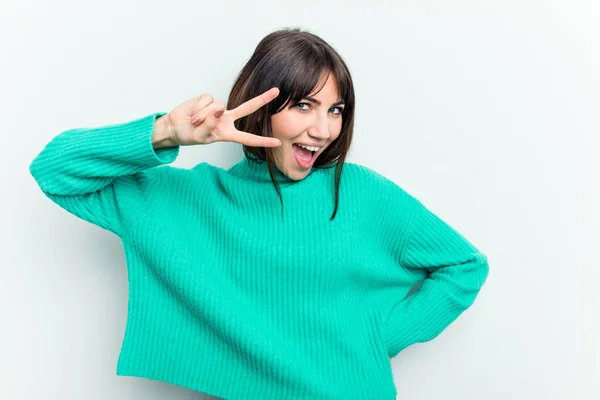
[(229, 297)]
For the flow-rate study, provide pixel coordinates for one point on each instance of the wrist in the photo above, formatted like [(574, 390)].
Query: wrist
[(162, 133)]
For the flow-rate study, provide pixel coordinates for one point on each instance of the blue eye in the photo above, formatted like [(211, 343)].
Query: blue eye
[(340, 109)]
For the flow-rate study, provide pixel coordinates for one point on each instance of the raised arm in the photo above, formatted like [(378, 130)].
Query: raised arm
[(100, 174)]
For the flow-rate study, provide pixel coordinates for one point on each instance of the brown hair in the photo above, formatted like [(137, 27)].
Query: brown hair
[(295, 61)]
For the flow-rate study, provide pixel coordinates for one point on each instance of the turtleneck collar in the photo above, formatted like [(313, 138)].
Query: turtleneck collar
[(258, 171)]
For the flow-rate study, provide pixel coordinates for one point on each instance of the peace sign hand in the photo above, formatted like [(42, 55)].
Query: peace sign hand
[(201, 120)]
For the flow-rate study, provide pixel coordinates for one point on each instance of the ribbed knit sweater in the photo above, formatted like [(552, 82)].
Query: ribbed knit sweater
[(230, 298)]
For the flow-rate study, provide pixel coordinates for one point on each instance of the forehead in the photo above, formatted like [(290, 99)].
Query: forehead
[(327, 91)]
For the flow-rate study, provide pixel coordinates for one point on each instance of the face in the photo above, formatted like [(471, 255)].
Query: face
[(314, 121)]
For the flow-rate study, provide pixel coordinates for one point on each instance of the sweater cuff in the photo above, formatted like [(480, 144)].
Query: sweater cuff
[(133, 138)]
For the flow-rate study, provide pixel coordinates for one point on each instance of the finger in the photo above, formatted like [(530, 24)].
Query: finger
[(212, 120), (201, 103), (202, 114), (252, 140), (254, 104)]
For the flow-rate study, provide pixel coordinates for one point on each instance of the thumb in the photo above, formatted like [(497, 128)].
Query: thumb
[(213, 116), (212, 120)]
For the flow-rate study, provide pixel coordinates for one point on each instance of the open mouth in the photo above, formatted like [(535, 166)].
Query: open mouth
[(304, 157)]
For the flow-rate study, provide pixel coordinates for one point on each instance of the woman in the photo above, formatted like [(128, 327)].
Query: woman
[(280, 277)]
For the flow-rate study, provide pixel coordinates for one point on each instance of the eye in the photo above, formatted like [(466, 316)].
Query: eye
[(301, 104), (339, 112)]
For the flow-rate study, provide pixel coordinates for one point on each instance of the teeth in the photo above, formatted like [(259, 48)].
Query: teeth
[(311, 148)]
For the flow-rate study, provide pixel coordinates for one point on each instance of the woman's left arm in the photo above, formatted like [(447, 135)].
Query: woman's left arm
[(456, 272)]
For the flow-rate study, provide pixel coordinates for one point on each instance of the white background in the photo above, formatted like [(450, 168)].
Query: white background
[(488, 112)]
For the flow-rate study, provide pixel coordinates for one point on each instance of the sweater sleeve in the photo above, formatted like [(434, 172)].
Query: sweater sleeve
[(99, 174), (456, 271)]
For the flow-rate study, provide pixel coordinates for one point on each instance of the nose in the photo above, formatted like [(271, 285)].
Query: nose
[(320, 128)]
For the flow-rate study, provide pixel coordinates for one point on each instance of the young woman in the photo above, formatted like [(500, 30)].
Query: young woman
[(286, 276)]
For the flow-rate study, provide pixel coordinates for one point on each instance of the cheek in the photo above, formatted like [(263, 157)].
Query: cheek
[(286, 127), (335, 129)]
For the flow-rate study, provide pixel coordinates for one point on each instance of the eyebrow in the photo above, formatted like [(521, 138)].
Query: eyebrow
[(312, 99)]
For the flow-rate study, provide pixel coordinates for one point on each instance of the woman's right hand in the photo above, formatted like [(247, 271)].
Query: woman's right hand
[(201, 120)]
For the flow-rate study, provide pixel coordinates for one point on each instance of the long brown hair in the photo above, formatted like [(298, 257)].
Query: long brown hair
[(295, 61)]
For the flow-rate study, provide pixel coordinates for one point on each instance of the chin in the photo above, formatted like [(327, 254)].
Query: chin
[(297, 175), (292, 170)]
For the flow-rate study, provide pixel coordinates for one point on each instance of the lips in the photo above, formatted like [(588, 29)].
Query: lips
[(304, 158)]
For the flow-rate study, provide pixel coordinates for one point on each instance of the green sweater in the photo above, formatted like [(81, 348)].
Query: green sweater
[(230, 298)]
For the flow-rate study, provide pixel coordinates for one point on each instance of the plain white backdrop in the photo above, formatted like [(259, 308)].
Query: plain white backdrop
[(488, 112)]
